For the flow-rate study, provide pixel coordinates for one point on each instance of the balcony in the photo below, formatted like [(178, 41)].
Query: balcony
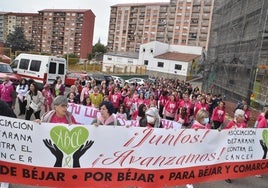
[(203, 37), (196, 9), (206, 9), (205, 17), (205, 31), (207, 2)]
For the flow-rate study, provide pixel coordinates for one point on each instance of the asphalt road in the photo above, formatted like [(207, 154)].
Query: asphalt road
[(249, 182)]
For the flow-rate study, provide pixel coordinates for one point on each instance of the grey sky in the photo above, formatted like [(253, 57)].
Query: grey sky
[(101, 9)]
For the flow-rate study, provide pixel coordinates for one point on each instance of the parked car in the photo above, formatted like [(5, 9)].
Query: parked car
[(71, 77), (6, 70), (99, 77), (139, 81), (119, 80)]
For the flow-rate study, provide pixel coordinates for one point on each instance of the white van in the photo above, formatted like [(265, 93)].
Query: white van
[(41, 68)]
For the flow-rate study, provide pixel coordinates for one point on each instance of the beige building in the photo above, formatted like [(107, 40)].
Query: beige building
[(179, 22), (10, 20)]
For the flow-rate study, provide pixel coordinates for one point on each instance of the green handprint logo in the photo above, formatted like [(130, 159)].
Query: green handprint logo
[(68, 141), (264, 143)]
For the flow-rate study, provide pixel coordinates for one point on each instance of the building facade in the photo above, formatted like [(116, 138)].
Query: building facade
[(66, 31), (179, 22), (53, 31), (160, 59), (237, 60)]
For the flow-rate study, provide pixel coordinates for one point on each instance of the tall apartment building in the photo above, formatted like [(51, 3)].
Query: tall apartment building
[(179, 22), (65, 31), (12, 20), (237, 60), (1, 27), (53, 31)]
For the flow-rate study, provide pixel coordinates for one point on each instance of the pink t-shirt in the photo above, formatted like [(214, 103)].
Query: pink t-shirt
[(262, 123), (56, 119)]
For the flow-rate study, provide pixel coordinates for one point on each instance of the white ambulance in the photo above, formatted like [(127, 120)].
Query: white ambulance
[(41, 68)]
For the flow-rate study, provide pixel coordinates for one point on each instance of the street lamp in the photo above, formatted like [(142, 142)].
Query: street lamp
[(68, 47)]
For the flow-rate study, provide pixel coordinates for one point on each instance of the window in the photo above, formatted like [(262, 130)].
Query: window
[(24, 63), (160, 64), (146, 62), (52, 68), (109, 58), (35, 65), (143, 49), (14, 64), (178, 67), (152, 50), (61, 68)]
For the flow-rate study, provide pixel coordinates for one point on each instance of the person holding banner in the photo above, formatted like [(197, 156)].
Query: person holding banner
[(153, 117), (262, 122), (237, 122), (201, 122), (60, 113), (5, 110), (106, 115)]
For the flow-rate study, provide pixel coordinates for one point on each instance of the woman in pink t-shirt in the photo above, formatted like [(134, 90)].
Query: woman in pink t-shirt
[(60, 113), (262, 123), (201, 120)]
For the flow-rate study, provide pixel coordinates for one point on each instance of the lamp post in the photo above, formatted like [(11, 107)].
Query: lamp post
[(68, 47)]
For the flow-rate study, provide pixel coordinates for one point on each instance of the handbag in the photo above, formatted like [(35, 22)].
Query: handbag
[(34, 106)]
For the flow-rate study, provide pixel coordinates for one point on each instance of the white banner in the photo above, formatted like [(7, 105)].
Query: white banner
[(85, 115), (55, 154)]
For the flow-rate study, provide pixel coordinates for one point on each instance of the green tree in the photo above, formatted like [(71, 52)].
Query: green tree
[(89, 56), (18, 42), (98, 49), (70, 56)]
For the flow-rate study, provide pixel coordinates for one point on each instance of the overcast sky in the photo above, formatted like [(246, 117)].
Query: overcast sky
[(101, 9)]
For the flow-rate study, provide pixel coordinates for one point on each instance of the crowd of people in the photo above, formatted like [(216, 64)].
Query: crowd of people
[(170, 99)]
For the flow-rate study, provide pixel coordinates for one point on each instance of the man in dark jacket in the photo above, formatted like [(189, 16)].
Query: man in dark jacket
[(5, 110)]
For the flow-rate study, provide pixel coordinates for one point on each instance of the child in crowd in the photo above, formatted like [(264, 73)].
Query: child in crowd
[(48, 98)]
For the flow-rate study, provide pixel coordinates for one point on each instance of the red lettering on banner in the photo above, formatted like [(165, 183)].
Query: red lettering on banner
[(6, 170), (75, 108), (167, 124), (123, 177), (134, 123), (147, 136), (91, 112)]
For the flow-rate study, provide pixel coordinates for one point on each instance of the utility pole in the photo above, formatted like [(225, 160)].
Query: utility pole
[(68, 47)]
